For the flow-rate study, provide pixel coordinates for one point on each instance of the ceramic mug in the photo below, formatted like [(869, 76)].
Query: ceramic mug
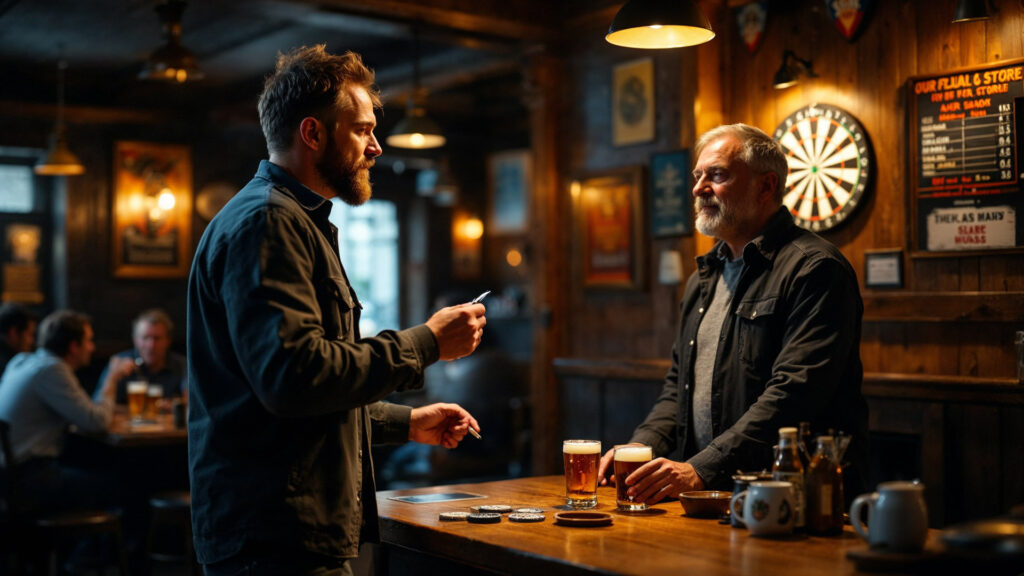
[(765, 507), (897, 517)]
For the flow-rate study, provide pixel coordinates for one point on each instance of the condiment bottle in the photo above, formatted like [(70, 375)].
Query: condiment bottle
[(825, 490), (788, 468)]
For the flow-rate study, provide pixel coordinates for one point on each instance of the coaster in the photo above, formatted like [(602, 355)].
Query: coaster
[(484, 518), (530, 510), (491, 508), (525, 517), (452, 516)]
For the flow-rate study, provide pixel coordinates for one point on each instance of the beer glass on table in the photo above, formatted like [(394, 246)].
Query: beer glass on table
[(581, 459), (627, 460), (153, 395), (137, 399)]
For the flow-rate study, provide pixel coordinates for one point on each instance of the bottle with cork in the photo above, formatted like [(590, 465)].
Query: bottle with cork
[(789, 468)]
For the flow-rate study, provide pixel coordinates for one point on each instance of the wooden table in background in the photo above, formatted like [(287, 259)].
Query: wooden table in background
[(664, 542), (124, 433)]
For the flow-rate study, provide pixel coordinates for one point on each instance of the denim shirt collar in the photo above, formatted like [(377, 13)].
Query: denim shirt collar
[(315, 204)]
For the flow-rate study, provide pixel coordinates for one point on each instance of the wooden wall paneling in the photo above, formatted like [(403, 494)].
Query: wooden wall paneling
[(581, 410), (1000, 272), (969, 273), (627, 403), (980, 462), (935, 274), (870, 347), (1011, 419), (550, 251), (934, 448)]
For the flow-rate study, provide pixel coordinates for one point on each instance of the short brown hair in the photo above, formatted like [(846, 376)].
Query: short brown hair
[(59, 329), (308, 81)]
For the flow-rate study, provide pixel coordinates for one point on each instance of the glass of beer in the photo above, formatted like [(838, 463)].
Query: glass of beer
[(137, 399), (581, 458), (153, 395), (627, 460)]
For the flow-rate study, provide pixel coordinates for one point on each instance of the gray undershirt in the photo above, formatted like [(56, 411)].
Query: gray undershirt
[(709, 334)]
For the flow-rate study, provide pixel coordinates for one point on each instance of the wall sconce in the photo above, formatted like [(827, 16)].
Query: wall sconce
[(659, 24), (971, 10), (792, 67)]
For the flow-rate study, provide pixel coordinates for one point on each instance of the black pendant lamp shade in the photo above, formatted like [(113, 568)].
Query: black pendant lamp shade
[(659, 24), (171, 62)]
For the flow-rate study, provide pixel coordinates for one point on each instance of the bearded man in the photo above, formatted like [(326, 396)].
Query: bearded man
[(284, 392), (769, 333)]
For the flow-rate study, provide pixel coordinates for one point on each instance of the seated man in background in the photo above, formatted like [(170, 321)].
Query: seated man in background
[(17, 332), (155, 362), (40, 396)]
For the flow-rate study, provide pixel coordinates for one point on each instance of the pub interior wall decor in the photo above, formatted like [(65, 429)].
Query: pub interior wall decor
[(152, 210), (830, 165), (965, 180), (610, 228), (848, 16), (633, 102)]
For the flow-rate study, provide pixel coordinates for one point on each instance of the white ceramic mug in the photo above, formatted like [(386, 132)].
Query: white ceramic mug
[(897, 517), (765, 507)]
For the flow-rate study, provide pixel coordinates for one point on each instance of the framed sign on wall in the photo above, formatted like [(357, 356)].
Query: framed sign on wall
[(633, 102), (610, 228), (965, 137), (152, 210)]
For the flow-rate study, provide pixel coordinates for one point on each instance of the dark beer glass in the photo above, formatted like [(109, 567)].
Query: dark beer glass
[(627, 460)]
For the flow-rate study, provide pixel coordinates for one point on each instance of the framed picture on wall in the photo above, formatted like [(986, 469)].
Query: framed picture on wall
[(671, 201), (633, 102), (610, 229), (152, 210), (508, 177)]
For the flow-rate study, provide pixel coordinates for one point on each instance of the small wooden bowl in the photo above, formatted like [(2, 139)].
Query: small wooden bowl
[(705, 503)]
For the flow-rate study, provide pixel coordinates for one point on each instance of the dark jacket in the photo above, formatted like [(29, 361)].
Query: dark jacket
[(283, 391), (789, 352)]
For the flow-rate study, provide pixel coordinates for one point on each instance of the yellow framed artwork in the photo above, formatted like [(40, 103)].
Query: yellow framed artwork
[(152, 210)]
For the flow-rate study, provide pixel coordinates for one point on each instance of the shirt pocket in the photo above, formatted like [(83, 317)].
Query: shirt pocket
[(757, 340), (337, 306)]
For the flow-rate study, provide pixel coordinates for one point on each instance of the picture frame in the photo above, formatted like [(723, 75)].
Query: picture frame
[(509, 177), (671, 204), (633, 102), (883, 268), (151, 210), (609, 209)]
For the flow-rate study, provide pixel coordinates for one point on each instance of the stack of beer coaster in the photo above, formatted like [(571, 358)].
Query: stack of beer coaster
[(492, 513)]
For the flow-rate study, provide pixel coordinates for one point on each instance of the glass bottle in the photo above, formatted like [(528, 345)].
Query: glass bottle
[(788, 468), (804, 442), (825, 490)]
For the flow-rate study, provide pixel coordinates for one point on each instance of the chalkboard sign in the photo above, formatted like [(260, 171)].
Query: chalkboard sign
[(966, 176)]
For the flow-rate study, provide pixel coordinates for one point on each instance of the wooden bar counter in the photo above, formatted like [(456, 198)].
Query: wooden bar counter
[(663, 542)]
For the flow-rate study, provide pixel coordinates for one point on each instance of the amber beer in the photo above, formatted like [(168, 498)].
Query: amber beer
[(581, 458), (136, 399), (627, 460), (153, 395)]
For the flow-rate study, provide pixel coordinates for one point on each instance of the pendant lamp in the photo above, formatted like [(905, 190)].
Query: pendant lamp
[(416, 130), (171, 62), (659, 24), (59, 159)]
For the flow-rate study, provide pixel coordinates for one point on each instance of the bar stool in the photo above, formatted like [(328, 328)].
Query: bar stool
[(57, 528), (170, 510)]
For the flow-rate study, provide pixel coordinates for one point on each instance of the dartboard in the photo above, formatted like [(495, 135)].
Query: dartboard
[(830, 164)]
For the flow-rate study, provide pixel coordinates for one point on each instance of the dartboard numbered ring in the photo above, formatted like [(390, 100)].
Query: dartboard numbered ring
[(830, 165)]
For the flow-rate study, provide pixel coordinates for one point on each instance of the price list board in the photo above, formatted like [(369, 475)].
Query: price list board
[(965, 142)]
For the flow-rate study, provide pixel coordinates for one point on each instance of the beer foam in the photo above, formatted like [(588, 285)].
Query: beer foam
[(581, 448), (633, 454), (137, 387)]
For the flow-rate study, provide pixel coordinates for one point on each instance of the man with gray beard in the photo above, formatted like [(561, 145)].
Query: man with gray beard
[(769, 333), (285, 394)]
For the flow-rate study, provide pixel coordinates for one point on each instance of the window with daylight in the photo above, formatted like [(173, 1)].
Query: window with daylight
[(16, 188), (368, 242)]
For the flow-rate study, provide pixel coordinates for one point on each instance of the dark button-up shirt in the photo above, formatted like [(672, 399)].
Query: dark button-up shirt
[(173, 377), (283, 391), (789, 351)]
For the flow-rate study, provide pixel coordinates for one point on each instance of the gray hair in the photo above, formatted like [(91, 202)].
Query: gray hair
[(760, 151)]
